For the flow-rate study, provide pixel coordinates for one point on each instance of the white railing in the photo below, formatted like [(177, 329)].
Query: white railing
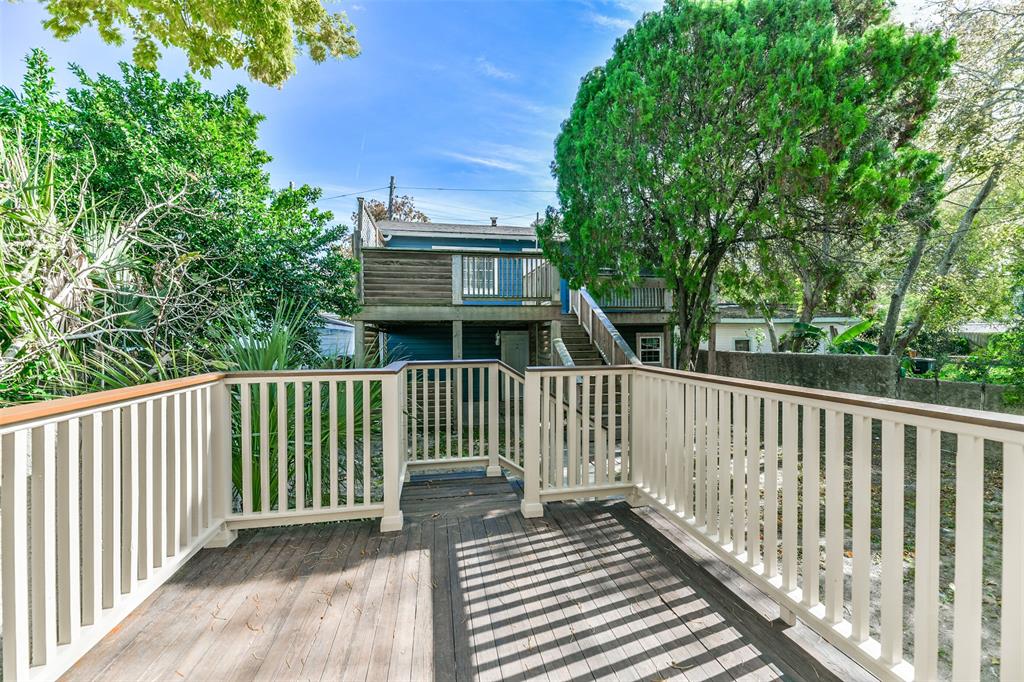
[(650, 297), (581, 444), (369, 232), (103, 498), (463, 414), (805, 492), (511, 409), (560, 356), (508, 277), (312, 446), (603, 334)]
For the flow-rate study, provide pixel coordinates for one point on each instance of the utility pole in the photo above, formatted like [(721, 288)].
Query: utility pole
[(391, 199)]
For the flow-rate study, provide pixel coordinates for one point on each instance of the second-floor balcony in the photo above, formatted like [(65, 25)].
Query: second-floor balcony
[(442, 284), (457, 277)]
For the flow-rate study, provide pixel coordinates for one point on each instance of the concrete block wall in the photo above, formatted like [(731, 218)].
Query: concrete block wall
[(861, 374)]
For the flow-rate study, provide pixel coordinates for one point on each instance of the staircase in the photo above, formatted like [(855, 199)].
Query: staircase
[(577, 342)]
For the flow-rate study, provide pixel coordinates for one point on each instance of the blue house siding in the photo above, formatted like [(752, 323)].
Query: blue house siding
[(420, 342), (478, 340)]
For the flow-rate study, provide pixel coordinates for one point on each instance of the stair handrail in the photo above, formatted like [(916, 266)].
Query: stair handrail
[(602, 333), (561, 356)]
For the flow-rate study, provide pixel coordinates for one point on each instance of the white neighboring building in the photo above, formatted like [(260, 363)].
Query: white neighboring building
[(739, 331), (979, 332), (337, 337)]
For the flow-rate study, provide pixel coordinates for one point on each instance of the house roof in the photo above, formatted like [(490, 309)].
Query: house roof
[(332, 320), (455, 230), (733, 312), (982, 327)]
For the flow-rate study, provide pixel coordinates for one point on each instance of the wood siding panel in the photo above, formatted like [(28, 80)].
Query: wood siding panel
[(394, 276)]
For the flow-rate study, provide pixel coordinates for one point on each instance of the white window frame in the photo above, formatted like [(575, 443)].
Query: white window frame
[(641, 337)]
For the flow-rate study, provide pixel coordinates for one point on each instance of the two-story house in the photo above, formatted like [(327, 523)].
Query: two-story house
[(433, 291)]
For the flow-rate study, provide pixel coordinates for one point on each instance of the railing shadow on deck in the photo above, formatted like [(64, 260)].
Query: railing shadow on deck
[(588, 593)]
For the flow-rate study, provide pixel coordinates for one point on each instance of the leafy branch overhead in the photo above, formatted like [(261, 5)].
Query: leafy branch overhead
[(264, 38)]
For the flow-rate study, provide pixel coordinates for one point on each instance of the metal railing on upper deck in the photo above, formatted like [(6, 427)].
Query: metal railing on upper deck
[(393, 276)]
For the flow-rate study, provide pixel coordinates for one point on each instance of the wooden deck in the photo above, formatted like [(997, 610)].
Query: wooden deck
[(468, 590)]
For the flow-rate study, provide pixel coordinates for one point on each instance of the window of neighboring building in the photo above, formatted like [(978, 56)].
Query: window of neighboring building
[(650, 348), (741, 345)]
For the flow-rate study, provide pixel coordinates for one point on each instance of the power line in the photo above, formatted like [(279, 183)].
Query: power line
[(480, 189), (352, 194)]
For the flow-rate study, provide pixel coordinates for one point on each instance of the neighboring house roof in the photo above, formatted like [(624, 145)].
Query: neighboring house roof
[(331, 320), (978, 332), (980, 327), (733, 313), (456, 230)]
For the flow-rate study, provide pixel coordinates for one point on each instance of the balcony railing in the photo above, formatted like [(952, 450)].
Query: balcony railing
[(649, 294), (757, 471), (443, 277), (806, 493), (506, 277)]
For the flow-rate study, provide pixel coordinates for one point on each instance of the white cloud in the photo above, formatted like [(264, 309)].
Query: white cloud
[(531, 163), (357, 8), (487, 162), (610, 22), (490, 70)]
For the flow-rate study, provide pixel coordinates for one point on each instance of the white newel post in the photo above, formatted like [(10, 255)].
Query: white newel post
[(493, 468), (221, 454), (531, 506), (391, 419)]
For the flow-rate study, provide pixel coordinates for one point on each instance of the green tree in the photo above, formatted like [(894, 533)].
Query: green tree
[(141, 138), (977, 129), (262, 37), (756, 275), (717, 123), (76, 285), (300, 253)]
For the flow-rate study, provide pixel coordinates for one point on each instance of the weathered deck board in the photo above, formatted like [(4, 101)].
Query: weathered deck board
[(469, 590)]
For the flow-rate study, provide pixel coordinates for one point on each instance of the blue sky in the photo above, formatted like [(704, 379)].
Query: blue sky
[(445, 94), (466, 94)]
